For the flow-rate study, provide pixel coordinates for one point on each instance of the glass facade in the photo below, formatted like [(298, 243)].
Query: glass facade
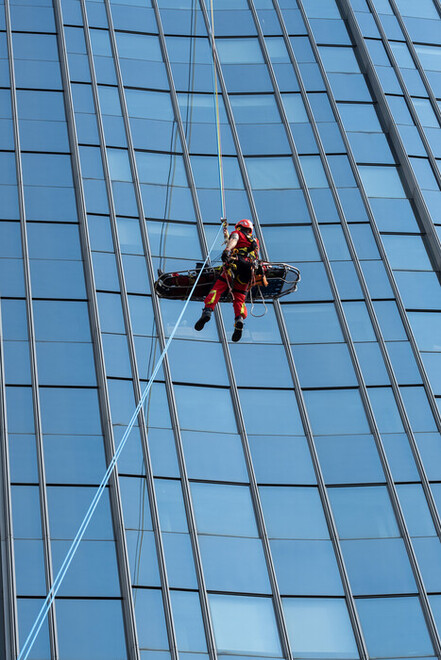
[(277, 498)]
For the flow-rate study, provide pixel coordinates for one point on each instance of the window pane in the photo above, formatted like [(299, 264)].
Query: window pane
[(293, 512), (244, 625), (222, 509), (394, 627), (319, 628), (364, 512), (234, 564)]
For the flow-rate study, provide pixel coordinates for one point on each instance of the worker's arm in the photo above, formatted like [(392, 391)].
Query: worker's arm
[(232, 242)]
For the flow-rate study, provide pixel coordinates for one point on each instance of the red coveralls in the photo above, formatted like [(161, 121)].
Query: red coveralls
[(239, 288)]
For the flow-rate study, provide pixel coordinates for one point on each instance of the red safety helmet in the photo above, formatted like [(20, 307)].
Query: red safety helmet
[(247, 224)]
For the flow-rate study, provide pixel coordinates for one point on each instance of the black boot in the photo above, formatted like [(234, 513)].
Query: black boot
[(205, 317), (238, 327)]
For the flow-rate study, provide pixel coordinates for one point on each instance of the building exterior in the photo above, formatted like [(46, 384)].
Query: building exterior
[(277, 498)]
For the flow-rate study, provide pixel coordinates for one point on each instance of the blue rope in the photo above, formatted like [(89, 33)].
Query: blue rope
[(77, 540)]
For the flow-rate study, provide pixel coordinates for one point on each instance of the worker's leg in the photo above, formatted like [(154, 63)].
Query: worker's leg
[(240, 312), (214, 295), (210, 303), (239, 306)]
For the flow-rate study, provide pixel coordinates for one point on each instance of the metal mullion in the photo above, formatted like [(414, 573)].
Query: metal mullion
[(371, 311), (349, 598), (159, 325), (8, 587), (372, 422), (135, 374), (411, 48), (255, 494), (103, 396), (403, 86), (165, 590), (434, 246), (32, 342), (377, 235)]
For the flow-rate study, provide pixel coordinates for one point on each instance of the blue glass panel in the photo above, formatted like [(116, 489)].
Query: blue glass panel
[(279, 459), (149, 612), (26, 512), (64, 458), (378, 566), (222, 509), (53, 241), (269, 173), (67, 508), (260, 365), (29, 567), (70, 410), (202, 408), (324, 365), (65, 363), (404, 363), (381, 181), (319, 628), (385, 410), (281, 206), (28, 610), (214, 456), (98, 631), (110, 312), (428, 552), (171, 506), (19, 410), (324, 204), (293, 512), (288, 420), (389, 320), (347, 281), (429, 446), (10, 238), (393, 214), (335, 242), (93, 571), (306, 567), (394, 627), (57, 279), (163, 452), (135, 501), (418, 409), (363, 512), (364, 241), (189, 359), (416, 512), (17, 363), (312, 323), (349, 459), (400, 457), (188, 623), (234, 564), (22, 458), (291, 244), (243, 624), (372, 363), (179, 560), (336, 411)]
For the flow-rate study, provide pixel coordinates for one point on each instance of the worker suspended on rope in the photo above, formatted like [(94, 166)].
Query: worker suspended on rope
[(240, 259)]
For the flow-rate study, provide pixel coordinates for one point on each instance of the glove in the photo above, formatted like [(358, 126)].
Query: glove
[(254, 246), (226, 254)]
